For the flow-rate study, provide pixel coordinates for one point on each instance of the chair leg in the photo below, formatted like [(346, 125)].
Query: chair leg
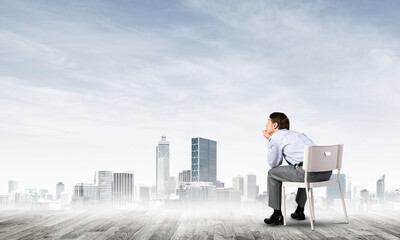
[(284, 205), (344, 206), (312, 203), (309, 204)]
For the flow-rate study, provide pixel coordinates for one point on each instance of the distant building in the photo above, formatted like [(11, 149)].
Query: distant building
[(197, 192), (42, 193), (169, 186), (185, 176), (356, 192), (85, 191), (123, 188), (103, 181), (228, 195), (3, 201), (364, 195), (380, 189), (238, 184), (64, 198), (204, 160), (250, 187), (392, 195), (49, 197), (332, 191), (162, 166), (12, 186), (142, 193), (219, 184), (153, 191), (59, 189)]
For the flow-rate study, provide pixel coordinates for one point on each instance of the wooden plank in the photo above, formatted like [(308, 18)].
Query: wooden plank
[(191, 224)]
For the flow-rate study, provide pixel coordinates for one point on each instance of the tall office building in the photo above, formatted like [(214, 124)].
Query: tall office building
[(332, 191), (238, 184), (185, 176), (204, 160), (380, 189), (59, 189), (162, 166), (12, 186), (123, 188), (250, 187), (103, 181)]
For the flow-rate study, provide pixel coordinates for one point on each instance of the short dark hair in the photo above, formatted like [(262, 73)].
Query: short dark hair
[(281, 119)]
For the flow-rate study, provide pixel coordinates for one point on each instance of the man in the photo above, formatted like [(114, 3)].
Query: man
[(289, 145)]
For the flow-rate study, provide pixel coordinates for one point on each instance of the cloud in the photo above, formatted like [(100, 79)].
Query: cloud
[(86, 75)]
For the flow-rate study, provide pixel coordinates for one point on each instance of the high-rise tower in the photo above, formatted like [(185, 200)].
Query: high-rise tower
[(380, 189), (59, 189), (123, 188), (103, 181), (162, 166), (204, 160), (12, 186)]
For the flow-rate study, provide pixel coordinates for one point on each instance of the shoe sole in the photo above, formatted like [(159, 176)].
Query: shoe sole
[(298, 219)]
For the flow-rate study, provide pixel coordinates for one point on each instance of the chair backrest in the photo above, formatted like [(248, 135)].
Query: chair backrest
[(322, 158)]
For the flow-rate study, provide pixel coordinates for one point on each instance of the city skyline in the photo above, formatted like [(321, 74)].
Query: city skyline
[(92, 85), (125, 193), (166, 151)]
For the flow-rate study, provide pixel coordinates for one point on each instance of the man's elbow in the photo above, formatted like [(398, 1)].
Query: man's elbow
[(273, 165)]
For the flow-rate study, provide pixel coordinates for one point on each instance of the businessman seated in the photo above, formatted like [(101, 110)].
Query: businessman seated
[(289, 145)]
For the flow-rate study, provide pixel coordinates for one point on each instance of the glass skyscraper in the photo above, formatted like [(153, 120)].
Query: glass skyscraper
[(162, 166), (204, 160)]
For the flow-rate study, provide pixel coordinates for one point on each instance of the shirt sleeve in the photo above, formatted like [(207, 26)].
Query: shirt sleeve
[(274, 154)]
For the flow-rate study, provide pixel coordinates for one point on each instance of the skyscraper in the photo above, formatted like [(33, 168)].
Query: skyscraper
[(103, 181), (162, 166), (380, 189), (332, 191), (238, 184), (204, 160), (12, 186), (59, 189), (250, 186), (123, 188)]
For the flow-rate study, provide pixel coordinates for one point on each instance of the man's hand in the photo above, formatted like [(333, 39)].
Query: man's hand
[(266, 134)]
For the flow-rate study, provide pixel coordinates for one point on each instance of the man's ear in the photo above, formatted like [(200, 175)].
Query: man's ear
[(275, 125)]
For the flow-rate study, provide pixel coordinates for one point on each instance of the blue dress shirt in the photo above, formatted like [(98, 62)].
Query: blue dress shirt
[(289, 145)]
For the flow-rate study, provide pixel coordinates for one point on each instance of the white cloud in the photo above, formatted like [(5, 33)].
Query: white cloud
[(99, 88)]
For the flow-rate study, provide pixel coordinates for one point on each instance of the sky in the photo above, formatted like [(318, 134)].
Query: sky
[(93, 85)]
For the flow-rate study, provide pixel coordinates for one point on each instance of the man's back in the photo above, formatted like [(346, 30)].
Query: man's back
[(288, 144)]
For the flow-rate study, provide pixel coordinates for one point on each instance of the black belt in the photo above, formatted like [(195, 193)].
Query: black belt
[(299, 164)]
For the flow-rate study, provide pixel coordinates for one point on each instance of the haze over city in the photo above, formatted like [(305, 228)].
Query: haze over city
[(88, 86)]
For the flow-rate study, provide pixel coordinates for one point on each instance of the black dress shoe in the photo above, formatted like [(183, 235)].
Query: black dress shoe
[(274, 219), (298, 215)]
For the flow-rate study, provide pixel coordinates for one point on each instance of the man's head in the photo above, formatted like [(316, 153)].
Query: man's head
[(276, 122)]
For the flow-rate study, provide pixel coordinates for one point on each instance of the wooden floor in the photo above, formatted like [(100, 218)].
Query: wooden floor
[(194, 224)]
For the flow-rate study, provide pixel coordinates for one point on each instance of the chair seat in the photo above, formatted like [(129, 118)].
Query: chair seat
[(310, 185)]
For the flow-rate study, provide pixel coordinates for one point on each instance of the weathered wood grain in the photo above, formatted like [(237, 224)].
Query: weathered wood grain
[(192, 224)]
